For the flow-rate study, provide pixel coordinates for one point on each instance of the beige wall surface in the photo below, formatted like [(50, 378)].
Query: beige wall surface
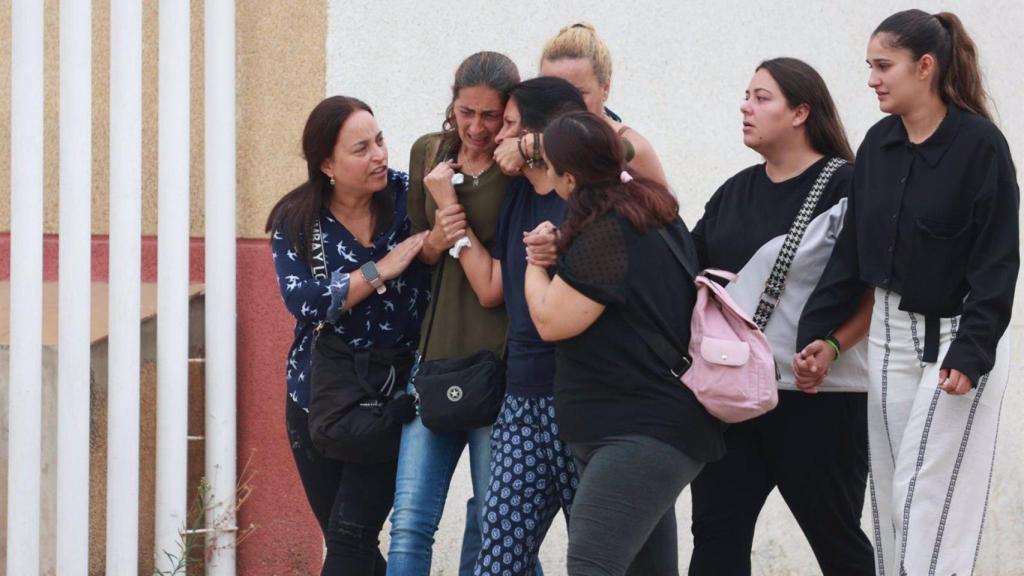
[(280, 77)]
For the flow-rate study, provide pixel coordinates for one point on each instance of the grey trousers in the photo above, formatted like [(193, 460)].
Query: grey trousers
[(623, 517)]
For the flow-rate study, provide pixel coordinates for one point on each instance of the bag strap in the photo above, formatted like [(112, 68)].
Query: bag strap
[(776, 282), (435, 296), (678, 363), (318, 266), (434, 152)]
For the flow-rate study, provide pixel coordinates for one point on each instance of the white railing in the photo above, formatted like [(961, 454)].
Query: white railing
[(73, 388), (122, 556), (25, 392), (219, 82), (73, 376), (172, 276)]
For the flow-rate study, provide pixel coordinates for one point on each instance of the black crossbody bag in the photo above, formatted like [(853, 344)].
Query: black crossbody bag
[(457, 394), (354, 413)]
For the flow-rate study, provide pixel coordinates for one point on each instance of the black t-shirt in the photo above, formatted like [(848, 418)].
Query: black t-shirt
[(749, 210), (608, 381), (531, 361)]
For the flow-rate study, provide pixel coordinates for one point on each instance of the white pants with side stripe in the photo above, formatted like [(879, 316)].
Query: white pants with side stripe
[(931, 453)]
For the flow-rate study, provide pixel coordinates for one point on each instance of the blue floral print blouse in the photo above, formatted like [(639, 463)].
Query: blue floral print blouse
[(389, 320)]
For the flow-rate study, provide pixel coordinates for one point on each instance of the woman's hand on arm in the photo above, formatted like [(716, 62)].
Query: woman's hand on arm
[(389, 267), (438, 183), (541, 248), (449, 225), (557, 309), (508, 156)]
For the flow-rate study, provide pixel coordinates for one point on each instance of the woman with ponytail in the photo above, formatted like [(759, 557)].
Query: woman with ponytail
[(638, 435), (932, 227)]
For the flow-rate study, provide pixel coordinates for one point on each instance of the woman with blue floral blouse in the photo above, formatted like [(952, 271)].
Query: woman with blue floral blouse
[(369, 291)]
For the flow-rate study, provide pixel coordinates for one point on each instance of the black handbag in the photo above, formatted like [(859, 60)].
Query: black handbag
[(354, 414), (457, 394), (356, 411)]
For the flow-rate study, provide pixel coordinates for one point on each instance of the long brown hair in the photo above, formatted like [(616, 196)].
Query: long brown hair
[(295, 212), (491, 69), (801, 84), (583, 145), (942, 35)]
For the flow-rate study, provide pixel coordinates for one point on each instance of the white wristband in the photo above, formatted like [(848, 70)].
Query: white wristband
[(459, 245)]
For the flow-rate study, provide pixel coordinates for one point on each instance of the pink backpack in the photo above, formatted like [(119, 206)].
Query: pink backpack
[(730, 367), (732, 371)]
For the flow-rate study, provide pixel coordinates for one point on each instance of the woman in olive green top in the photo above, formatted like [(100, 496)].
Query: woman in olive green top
[(462, 323)]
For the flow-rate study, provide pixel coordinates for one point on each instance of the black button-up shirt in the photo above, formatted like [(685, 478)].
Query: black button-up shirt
[(935, 222)]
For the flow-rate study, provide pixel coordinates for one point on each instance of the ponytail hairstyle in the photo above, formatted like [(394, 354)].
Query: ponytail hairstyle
[(491, 69), (942, 35), (580, 40), (801, 84), (584, 145), (295, 212)]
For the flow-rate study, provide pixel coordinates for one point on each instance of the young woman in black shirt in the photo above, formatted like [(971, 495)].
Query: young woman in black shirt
[(933, 227), (790, 119), (638, 434)]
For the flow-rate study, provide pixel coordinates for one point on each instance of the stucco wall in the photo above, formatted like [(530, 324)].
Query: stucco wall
[(680, 72), (280, 77)]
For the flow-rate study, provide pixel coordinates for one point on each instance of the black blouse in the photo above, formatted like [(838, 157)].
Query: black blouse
[(608, 382), (935, 222)]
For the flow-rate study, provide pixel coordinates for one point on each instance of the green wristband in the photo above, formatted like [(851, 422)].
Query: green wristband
[(831, 341)]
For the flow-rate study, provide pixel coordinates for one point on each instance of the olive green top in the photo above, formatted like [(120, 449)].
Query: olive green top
[(461, 326)]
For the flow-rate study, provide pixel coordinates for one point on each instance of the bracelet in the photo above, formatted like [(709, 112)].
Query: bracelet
[(537, 159), (831, 341), (522, 152)]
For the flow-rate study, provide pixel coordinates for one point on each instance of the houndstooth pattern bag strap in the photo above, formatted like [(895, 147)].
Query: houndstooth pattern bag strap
[(776, 282)]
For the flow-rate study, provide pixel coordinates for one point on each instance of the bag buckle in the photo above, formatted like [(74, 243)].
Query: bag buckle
[(771, 296), (686, 363)]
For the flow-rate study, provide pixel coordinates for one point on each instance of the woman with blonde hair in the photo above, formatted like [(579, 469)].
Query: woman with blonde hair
[(578, 55)]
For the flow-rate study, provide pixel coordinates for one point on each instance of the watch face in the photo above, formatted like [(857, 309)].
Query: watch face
[(369, 270)]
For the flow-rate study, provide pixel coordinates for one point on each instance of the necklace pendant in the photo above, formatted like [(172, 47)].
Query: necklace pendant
[(476, 181)]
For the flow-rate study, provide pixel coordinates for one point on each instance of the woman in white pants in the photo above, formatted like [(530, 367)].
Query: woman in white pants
[(932, 225)]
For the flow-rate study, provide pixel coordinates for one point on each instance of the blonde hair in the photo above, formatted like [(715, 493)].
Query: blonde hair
[(580, 40)]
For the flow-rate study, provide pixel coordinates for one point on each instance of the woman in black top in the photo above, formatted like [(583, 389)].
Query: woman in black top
[(639, 435), (933, 228), (790, 119)]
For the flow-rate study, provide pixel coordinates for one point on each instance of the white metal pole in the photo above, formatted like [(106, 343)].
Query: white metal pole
[(74, 289), (124, 288), (172, 279), (220, 319), (25, 414)]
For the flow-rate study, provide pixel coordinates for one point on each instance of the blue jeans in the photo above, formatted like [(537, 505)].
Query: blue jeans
[(426, 462)]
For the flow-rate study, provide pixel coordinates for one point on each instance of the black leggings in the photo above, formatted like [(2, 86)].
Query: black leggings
[(813, 447), (350, 501), (623, 517)]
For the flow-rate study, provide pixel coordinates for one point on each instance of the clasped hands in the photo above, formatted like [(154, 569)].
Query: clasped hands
[(812, 364)]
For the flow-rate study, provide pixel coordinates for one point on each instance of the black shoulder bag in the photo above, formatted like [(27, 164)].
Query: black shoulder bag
[(354, 414), (457, 394)]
